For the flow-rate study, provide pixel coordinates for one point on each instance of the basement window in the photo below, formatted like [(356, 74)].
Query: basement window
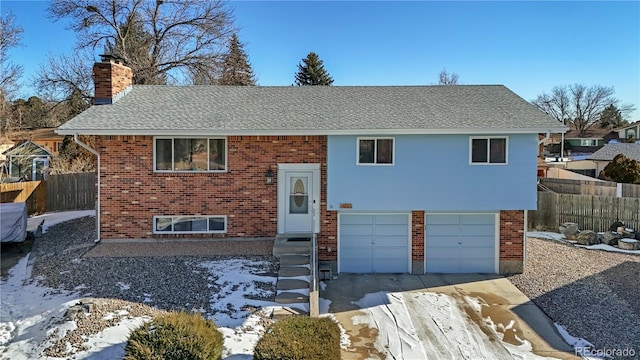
[(196, 224)]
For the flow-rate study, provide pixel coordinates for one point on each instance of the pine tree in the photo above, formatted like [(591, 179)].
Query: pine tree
[(611, 117), (312, 72), (236, 69)]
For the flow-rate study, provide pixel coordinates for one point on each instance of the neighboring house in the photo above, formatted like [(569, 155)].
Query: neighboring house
[(629, 131), (588, 141), (28, 160), (45, 137), (406, 179), (603, 156)]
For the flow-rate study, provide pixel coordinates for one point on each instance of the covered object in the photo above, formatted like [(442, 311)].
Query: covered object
[(13, 222)]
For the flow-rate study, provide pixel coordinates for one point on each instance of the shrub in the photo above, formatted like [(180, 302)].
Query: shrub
[(623, 170), (300, 337), (177, 335)]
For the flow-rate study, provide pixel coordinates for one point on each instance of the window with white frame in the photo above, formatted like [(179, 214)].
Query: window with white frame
[(588, 142), (488, 150), (196, 224), (190, 154), (375, 151)]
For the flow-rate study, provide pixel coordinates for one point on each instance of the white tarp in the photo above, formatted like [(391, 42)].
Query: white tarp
[(13, 222)]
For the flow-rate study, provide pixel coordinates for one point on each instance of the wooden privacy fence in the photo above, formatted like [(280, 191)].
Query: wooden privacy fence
[(590, 212), (588, 187), (71, 192), (631, 190), (34, 193)]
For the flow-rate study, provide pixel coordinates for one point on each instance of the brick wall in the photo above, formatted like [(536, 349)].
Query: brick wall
[(131, 193), (417, 235), (511, 241), (110, 77)]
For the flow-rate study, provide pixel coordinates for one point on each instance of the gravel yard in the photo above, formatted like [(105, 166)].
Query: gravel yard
[(165, 282), (594, 294)]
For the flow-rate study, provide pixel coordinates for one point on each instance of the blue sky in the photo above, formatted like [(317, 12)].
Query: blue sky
[(528, 46)]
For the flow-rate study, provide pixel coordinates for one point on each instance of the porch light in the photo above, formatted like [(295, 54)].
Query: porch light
[(268, 176)]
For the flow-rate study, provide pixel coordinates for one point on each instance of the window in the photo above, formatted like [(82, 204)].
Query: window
[(375, 151), (196, 224), (190, 154), (488, 150), (588, 142), (631, 134)]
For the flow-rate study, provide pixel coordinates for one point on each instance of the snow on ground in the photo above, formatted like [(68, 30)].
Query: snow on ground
[(546, 235), (26, 312), (606, 247), (426, 325), (238, 283), (54, 218), (580, 345), (561, 238), (30, 315)]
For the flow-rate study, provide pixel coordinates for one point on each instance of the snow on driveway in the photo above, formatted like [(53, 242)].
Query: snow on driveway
[(427, 325)]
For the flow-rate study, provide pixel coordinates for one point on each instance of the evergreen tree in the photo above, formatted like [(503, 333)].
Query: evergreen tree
[(623, 170), (236, 69), (311, 71), (611, 117)]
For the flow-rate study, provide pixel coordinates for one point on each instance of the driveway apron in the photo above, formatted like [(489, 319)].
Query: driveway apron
[(500, 300)]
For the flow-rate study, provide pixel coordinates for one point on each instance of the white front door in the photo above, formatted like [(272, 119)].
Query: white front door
[(298, 198)]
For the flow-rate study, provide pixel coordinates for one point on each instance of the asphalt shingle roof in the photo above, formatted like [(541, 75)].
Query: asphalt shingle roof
[(316, 109), (609, 151)]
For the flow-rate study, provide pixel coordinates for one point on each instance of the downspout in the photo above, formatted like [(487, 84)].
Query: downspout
[(545, 138), (93, 151)]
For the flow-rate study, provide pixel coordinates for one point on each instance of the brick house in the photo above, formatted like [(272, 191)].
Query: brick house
[(407, 179)]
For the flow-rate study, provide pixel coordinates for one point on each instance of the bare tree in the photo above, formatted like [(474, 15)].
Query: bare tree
[(67, 83), (10, 36), (445, 78), (579, 106), (179, 37)]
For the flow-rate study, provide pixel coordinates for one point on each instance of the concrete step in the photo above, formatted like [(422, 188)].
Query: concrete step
[(290, 260), (287, 311), (292, 244), (291, 250), (291, 271), (292, 284), (294, 247), (291, 298)]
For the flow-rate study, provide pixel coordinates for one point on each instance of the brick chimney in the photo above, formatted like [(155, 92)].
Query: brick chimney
[(112, 80)]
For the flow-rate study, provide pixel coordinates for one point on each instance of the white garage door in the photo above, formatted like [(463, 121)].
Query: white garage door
[(460, 243), (374, 243)]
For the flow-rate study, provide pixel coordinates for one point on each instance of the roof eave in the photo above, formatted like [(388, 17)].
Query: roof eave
[(301, 132)]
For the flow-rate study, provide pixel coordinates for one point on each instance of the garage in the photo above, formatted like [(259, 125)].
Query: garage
[(460, 243), (371, 243)]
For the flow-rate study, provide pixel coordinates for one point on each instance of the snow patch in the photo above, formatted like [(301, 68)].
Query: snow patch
[(546, 235), (609, 248)]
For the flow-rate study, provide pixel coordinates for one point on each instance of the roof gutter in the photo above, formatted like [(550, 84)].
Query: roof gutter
[(93, 151)]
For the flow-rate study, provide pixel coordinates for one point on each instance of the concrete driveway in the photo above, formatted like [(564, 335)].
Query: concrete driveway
[(465, 317)]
